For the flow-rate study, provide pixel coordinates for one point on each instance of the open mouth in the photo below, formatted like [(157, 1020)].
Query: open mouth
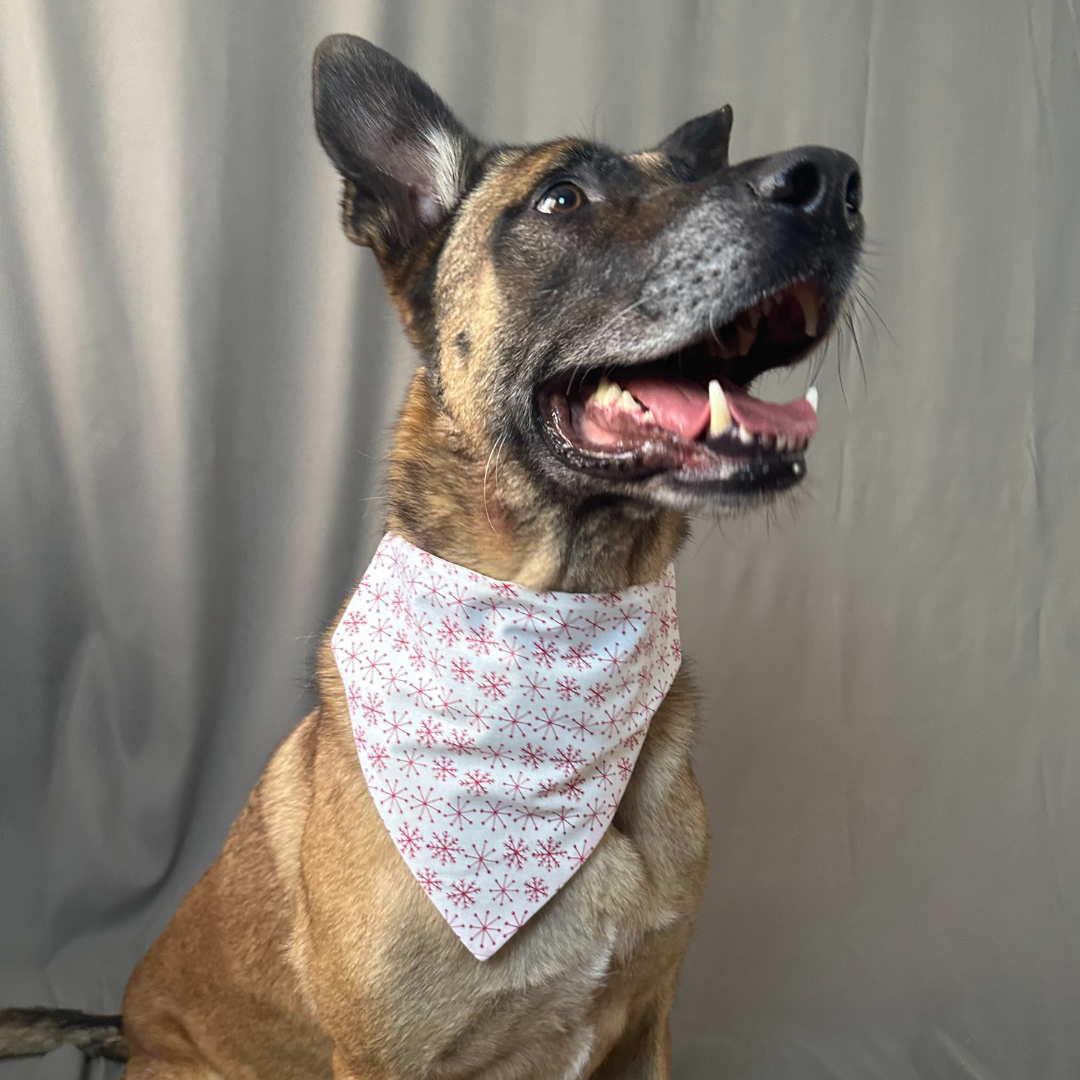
[(690, 414)]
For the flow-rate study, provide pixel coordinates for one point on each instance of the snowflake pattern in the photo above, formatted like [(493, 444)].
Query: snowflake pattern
[(498, 728)]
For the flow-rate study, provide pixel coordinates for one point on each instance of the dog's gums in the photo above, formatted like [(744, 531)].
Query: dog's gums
[(690, 413)]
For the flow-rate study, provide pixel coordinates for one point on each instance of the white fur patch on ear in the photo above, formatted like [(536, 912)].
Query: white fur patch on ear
[(446, 153)]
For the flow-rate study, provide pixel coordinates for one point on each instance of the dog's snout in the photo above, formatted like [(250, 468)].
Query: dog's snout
[(813, 180)]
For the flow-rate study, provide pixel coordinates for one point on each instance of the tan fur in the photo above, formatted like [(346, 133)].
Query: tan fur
[(308, 949)]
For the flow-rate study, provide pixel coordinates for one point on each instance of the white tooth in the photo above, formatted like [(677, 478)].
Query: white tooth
[(766, 439), (726, 351), (744, 436), (720, 418), (805, 293), (812, 397), (746, 340), (607, 392), (626, 401), (754, 315), (781, 443)]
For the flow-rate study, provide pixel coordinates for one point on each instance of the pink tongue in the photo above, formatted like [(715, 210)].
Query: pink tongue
[(795, 419), (677, 404), (682, 406)]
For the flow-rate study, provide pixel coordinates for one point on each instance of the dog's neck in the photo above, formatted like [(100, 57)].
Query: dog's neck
[(461, 504)]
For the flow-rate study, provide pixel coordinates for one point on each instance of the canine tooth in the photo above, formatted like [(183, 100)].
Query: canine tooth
[(720, 418), (808, 301), (754, 316), (607, 392), (744, 436), (812, 397), (781, 443), (746, 340), (626, 401)]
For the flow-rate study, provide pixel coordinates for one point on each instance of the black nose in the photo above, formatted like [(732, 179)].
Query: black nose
[(812, 179)]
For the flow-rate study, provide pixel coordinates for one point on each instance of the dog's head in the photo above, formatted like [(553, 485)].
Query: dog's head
[(597, 316)]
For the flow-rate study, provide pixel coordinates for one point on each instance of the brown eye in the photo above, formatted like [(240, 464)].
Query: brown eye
[(561, 198)]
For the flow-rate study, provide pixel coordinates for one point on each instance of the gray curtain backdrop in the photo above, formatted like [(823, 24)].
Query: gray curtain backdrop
[(197, 373)]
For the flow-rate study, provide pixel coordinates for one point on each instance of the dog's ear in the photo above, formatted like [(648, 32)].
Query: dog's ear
[(405, 158), (701, 143)]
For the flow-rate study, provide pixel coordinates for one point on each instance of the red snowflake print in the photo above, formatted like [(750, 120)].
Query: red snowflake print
[(568, 759), (444, 768), (545, 652), (418, 657), (449, 631), (460, 741), (477, 716), (350, 657), (398, 603), (462, 670), (477, 782), (481, 859), (517, 787), (567, 688), (463, 893), (574, 788), (629, 619), (626, 767), (421, 691), (614, 718), (402, 642), (459, 597), (581, 852), (497, 814), (481, 927), (535, 890), (535, 687), (549, 721), (503, 890), (496, 755), (377, 758), (594, 815), (563, 819), (436, 663), (408, 839), (632, 739), (393, 679), (430, 882), (532, 757), (460, 812), (353, 622), (422, 626), (531, 619), (516, 851), (371, 668), (595, 625), (422, 804), (380, 630), (615, 658), (549, 853), (411, 762), (529, 815), (513, 722), (597, 694), (377, 596), (480, 641), (579, 657), (512, 654), (360, 738), (433, 591), (429, 732), (563, 624), (396, 725), (579, 726), (676, 651), (393, 795), (514, 922), (493, 685), (446, 704), (603, 775), (445, 848)]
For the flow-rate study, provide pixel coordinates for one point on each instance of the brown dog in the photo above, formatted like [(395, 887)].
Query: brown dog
[(536, 283)]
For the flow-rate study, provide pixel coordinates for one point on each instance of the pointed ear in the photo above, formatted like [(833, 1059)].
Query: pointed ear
[(405, 158), (702, 143)]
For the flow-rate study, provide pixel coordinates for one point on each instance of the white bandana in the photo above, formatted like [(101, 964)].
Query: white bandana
[(497, 727)]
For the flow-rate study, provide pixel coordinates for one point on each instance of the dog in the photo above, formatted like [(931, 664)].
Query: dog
[(588, 323)]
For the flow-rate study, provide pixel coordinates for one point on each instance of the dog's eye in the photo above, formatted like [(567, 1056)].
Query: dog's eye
[(561, 198)]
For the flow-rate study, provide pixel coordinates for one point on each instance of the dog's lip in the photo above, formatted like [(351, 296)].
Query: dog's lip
[(744, 455)]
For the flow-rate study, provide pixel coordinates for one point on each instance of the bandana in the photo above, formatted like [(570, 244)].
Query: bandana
[(498, 727)]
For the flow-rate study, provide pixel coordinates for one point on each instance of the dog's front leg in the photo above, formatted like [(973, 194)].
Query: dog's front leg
[(643, 1053)]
